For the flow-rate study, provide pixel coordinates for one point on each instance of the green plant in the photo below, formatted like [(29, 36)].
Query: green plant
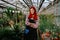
[(7, 33), (47, 22)]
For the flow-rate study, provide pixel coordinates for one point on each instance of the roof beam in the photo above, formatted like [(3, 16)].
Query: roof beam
[(22, 4), (40, 5), (12, 5), (2, 7), (9, 3), (28, 2)]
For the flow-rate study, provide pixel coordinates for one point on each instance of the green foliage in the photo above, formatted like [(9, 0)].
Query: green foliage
[(7, 33), (9, 12), (1, 21), (47, 22)]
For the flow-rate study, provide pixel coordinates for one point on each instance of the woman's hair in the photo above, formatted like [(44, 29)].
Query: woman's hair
[(31, 15)]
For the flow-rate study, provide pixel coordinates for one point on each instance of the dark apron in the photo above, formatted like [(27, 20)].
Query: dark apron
[(31, 33)]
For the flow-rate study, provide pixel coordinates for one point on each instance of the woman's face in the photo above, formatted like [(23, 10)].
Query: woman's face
[(32, 11)]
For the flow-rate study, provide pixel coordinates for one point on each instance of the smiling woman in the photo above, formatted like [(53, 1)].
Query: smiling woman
[(31, 24)]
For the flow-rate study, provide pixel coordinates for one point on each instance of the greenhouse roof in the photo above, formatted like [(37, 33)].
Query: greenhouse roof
[(24, 4)]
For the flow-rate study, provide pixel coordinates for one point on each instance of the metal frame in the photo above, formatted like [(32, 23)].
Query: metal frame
[(28, 3), (40, 5)]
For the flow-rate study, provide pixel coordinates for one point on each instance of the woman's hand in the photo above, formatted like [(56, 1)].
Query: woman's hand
[(31, 24)]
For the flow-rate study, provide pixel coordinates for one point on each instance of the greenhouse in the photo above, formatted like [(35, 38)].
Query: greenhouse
[(29, 19)]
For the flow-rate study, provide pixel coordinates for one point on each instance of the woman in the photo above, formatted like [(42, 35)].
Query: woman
[(31, 25)]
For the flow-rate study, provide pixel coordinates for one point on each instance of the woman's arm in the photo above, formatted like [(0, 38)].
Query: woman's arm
[(35, 25), (27, 21)]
